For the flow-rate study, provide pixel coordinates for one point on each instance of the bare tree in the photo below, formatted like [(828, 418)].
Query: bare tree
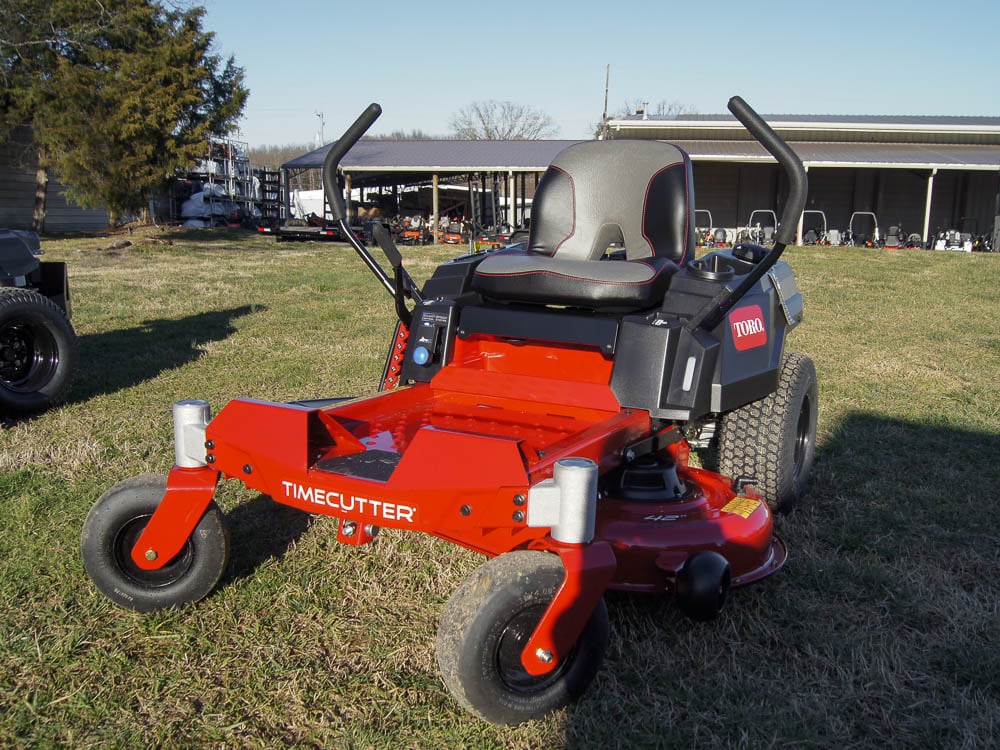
[(502, 121), (662, 108), (632, 107), (415, 134)]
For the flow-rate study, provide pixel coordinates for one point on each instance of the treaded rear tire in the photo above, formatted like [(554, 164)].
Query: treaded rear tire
[(38, 352), (773, 440)]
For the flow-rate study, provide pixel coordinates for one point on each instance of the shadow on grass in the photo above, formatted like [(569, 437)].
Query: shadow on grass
[(887, 601), (261, 530), (115, 360)]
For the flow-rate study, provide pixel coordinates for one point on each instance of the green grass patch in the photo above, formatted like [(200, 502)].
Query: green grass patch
[(880, 631)]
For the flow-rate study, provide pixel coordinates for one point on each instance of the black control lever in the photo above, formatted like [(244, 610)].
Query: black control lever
[(404, 286), (712, 313)]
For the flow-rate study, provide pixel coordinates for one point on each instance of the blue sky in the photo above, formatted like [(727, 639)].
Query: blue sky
[(422, 61)]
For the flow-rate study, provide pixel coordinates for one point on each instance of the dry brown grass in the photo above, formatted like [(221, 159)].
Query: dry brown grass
[(879, 632)]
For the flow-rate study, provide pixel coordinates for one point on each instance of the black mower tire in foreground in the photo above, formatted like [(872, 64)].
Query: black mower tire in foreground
[(487, 623), (773, 440), (112, 528), (38, 352), (38, 346)]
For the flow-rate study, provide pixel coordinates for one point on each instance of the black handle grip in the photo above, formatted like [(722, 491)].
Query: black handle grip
[(351, 136), (788, 160)]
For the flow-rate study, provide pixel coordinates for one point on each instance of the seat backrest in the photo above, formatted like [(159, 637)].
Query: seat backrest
[(636, 194)]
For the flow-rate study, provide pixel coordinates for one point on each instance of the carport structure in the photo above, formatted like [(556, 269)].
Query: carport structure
[(922, 173), (512, 167)]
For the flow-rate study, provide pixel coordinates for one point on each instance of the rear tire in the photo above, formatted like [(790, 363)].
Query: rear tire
[(38, 352), (114, 524), (773, 440), (485, 626)]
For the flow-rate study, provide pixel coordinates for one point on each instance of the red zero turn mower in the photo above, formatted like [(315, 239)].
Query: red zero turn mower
[(537, 405)]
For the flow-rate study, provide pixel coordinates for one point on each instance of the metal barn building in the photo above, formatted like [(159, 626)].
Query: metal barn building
[(926, 174)]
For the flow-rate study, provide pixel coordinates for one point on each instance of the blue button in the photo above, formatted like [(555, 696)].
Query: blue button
[(421, 355)]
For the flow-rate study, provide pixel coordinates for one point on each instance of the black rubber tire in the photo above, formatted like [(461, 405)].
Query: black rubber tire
[(703, 585), (483, 630), (115, 522), (774, 440), (38, 352)]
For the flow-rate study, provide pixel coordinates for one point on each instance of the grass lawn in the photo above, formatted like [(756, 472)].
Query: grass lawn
[(881, 629)]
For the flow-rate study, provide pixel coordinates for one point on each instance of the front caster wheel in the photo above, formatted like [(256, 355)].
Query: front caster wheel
[(114, 524), (485, 626), (703, 585)]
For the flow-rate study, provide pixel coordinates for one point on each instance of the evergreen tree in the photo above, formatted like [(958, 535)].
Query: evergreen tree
[(119, 94)]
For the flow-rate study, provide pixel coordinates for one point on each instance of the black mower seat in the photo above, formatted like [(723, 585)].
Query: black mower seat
[(611, 285), (632, 197)]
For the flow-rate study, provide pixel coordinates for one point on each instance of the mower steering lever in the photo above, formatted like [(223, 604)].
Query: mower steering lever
[(716, 309), (335, 199), (404, 286)]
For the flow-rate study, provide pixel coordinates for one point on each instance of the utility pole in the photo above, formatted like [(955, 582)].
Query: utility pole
[(604, 119), (322, 122)]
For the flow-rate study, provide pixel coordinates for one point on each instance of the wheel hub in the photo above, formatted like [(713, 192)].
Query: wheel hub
[(164, 576), (509, 648), (28, 356)]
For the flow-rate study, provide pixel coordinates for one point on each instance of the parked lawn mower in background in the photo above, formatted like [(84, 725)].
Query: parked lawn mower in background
[(453, 235), (952, 239), (814, 228), (491, 238), (538, 406), (38, 347), (893, 238), (862, 230), (703, 228), (760, 227)]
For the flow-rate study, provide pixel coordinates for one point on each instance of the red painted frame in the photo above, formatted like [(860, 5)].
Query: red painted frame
[(467, 448)]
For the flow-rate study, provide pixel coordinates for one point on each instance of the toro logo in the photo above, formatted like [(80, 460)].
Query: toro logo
[(747, 325)]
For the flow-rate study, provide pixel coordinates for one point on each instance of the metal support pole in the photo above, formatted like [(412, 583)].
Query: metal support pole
[(798, 230), (927, 205), (434, 207), (285, 197), (347, 198)]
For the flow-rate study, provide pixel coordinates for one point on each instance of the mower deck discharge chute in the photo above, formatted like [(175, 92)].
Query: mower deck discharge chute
[(537, 405)]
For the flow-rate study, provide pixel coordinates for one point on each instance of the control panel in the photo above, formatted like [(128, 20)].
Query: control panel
[(431, 337)]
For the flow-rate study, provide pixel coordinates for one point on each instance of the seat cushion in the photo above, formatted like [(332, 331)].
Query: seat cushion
[(635, 194), (606, 285)]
